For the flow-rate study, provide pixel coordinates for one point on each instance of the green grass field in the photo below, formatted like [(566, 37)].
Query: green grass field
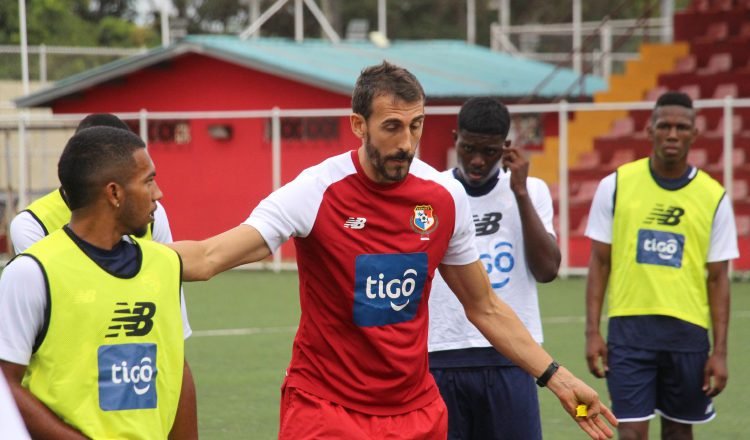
[(244, 323)]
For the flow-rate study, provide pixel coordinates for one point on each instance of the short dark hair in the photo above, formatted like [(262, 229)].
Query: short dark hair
[(384, 79), (93, 157), (484, 115), (672, 98), (102, 120)]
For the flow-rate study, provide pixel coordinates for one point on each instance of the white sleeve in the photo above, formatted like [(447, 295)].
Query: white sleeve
[(23, 298), (11, 424), (186, 330), (542, 201), (161, 232), (461, 248), (723, 245), (290, 211), (601, 215), (25, 230)]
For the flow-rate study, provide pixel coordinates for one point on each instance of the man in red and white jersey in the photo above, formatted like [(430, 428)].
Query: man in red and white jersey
[(370, 227)]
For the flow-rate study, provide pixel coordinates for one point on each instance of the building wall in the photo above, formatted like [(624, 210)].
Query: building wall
[(212, 185)]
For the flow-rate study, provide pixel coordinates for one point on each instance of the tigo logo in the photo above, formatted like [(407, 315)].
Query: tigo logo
[(660, 248), (355, 223), (127, 376), (388, 287)]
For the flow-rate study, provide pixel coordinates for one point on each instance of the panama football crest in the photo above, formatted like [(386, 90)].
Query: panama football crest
[(424, 221)]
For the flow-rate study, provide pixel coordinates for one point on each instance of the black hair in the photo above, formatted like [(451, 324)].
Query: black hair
[(672, 98), (484, 115), (384, 79), (92, 158), (102, 120)]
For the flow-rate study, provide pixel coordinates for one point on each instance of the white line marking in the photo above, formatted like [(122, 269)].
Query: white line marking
[(244, 331)]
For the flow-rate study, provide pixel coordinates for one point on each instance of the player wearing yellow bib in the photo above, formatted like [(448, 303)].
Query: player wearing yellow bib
[(91, 323), (662, 234), (50, 212)]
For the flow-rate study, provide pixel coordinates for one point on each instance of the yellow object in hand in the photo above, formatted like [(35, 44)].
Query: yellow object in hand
[(582, 411)]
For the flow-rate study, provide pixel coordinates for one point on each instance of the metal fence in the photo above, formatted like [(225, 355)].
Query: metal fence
[(31, 144)]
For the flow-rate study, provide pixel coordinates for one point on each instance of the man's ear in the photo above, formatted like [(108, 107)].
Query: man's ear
[(359, 125), (113, 193)]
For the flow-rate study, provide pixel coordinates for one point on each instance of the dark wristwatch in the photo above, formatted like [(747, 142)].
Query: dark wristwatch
[(548, 373)]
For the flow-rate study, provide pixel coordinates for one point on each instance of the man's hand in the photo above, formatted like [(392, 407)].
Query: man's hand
[(596, 349), (514, 161), (572, 392), (715, 375)]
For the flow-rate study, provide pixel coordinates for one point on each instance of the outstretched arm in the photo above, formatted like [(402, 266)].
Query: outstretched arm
[(40, 420), (716, 372), (596, 286), (500, 325), (201, 260)]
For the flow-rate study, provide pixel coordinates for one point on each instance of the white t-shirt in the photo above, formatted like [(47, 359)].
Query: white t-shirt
[(11, 424), (499, 240), (25, 230), (723, 244)]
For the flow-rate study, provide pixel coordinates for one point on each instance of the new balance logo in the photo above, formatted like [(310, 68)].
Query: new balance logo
[(488, 224), (137, 321), (669, 216), (355, 223)]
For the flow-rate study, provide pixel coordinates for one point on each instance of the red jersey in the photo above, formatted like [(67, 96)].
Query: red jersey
[(366, 255)]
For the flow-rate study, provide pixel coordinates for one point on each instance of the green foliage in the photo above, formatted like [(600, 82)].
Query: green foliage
[(102, 23)]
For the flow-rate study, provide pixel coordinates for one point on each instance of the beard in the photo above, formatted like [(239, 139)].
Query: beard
[(386, 172)]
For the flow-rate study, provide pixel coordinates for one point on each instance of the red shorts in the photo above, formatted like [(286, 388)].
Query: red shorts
[(305, 416)]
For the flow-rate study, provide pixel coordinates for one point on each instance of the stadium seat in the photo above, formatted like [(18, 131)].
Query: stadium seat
[(692, 90), (622, 127), (686, 64), (620, 157), (738, 160), (724, 90), (655, 93), (587, 161), (580, 228), (698, 157), (739, 189), (743, 225), (717, 31), (554, 190), (720, 62), (700, 124), (718, 131), (585, 192)]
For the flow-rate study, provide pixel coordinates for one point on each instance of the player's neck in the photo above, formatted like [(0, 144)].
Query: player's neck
[(668, 170), (99, 231)]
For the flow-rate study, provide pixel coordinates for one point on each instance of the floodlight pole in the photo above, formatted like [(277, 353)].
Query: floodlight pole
[(299, 24), (577, 39), (382, 18), (24, 46), (164, 24), (254, 14), (667, 11), (471, 21)]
